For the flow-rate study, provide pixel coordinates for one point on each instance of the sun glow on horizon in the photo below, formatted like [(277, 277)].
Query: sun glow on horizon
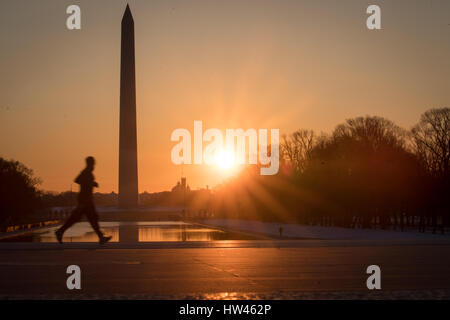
[(225, 159)]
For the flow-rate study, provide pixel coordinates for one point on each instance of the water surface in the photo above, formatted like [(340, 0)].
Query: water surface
[(133, 232)]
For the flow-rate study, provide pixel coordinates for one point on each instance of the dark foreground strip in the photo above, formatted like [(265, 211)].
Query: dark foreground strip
[(226, 309), (434, 294), (14, 246)]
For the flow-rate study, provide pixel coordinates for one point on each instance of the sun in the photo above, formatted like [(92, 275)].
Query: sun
[(225, 159)]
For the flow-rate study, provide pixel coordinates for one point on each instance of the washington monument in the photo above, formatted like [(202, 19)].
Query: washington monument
[(128, 178)]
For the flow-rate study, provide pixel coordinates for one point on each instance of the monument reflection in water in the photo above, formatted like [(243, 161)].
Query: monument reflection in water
[(129, 232)]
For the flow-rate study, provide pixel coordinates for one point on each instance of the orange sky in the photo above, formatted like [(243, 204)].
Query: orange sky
[(232, 64)]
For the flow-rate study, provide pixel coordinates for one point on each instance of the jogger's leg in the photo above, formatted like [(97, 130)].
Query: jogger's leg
[(74, 217), (92, 217)]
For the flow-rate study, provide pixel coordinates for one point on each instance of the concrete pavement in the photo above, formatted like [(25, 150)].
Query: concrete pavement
[(231, 269)]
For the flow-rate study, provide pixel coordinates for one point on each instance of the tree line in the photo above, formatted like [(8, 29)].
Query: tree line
[(19, 195), (367, 173)]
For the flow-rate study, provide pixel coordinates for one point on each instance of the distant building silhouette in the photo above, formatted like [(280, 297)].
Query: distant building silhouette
[(128, 176), (181, 186)]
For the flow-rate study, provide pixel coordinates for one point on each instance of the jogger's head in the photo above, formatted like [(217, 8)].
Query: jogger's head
[(90, 162)]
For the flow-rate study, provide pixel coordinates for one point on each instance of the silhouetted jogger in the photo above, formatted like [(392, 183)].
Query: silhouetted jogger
[(86, 205)]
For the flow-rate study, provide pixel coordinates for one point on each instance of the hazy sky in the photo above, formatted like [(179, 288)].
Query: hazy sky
[(230, 63)]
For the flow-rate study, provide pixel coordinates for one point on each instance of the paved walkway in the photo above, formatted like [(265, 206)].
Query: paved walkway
[(241, 269), (318, 232)]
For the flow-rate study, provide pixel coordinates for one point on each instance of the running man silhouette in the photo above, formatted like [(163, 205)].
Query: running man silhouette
[(86, 205)]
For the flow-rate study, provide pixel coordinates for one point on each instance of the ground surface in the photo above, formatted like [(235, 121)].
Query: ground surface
[(236, 269), (318, 232)]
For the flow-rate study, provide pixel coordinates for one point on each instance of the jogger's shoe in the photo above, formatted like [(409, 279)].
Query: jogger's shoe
[(59, 235), (104, 239)]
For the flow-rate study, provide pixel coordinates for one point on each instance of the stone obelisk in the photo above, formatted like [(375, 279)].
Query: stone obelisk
[(128, 177)]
